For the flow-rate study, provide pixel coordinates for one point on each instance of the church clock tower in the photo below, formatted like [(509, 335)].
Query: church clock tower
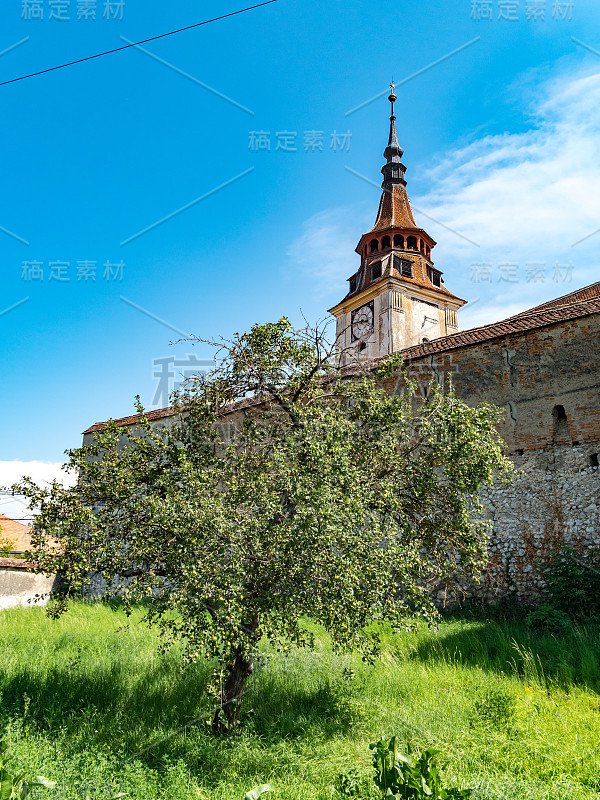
[(397, 298)]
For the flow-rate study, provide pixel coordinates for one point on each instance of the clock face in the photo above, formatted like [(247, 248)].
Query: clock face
[(362, 321)]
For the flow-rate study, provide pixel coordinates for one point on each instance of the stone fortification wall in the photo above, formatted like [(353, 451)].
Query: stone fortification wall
[(547, 383)]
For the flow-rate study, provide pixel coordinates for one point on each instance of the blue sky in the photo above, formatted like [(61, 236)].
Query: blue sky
[(501, 144)]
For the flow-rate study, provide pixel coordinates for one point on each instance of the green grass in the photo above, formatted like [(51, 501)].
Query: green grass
[(89, 701)]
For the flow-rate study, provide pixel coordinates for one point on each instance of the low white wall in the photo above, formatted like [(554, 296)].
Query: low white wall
[(18, 587)]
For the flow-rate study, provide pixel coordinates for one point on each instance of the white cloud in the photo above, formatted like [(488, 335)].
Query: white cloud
[(523, 197), (41, 472), (531, 191), (324, 251)]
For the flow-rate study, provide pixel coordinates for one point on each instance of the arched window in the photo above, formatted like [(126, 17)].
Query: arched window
[(374, 246), (399, 241), (411, 243), (386, 243)]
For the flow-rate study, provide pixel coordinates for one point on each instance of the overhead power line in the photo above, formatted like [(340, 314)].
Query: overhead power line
[(136, 44)]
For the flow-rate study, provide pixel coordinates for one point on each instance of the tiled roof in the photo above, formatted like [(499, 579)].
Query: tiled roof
[(19, 537), (394, 210), (123, 422), (519, 324), (15, 533), (162, 413), (590, 292), (419, 276)]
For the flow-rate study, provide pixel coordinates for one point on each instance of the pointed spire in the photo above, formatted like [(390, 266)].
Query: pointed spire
[(393, 171)]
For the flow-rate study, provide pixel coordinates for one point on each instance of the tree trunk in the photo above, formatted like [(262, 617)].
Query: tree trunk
[(227, 715)]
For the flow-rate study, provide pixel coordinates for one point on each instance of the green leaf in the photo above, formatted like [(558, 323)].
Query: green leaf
[(255, 793), (6, 788), (41, 781)]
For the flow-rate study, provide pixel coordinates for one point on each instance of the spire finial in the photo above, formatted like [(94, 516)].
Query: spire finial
[(392, 98), (393, 171)]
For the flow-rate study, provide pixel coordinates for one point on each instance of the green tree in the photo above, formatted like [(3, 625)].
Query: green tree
[(332, 499)]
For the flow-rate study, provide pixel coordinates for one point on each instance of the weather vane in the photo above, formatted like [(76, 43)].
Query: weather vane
[(392, 97)]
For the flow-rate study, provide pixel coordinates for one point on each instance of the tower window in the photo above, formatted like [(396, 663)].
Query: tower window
[(560, 424), (399, 241), (386, 243), (404, 267), (559, 414), (411, 243), (374, 246), (376, 270), (353, 284), (434, 276), (594, 461)]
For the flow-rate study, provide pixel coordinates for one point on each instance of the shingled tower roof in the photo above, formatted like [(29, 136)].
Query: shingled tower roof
[(394, 206), (394, 213)]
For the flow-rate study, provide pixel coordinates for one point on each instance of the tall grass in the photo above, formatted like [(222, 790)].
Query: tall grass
[(90, 702)]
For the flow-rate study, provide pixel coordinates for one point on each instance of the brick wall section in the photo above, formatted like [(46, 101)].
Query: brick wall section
[(528, 374)]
